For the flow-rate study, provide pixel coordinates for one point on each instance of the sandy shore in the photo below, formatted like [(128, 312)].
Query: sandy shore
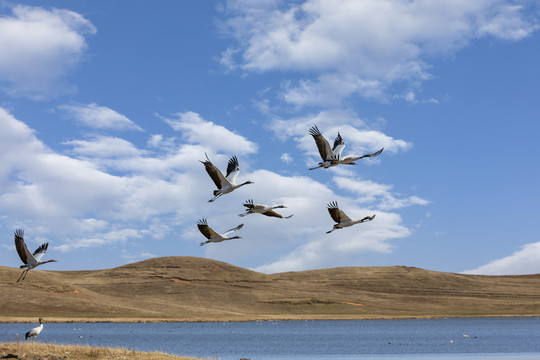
[(263, 318)]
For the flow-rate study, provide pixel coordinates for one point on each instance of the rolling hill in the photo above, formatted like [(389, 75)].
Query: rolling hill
[(197, 289)]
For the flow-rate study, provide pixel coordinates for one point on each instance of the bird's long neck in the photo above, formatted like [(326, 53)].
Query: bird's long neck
[(48, 261)]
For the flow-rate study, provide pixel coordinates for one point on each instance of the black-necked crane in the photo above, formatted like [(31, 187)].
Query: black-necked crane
[(225, 184), (213, 236), (341, 219), (263, 209), (331, 156), (35, 331), (30, 260)]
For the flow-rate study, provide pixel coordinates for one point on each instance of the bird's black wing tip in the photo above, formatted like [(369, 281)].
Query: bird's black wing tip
[(314, 130), (332, 205)]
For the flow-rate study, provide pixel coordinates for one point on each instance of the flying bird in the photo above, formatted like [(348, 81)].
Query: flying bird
[(213, 236), (263, 209), (225, 184), (331, 156), (35, 331), (30, 260), (341, 219)]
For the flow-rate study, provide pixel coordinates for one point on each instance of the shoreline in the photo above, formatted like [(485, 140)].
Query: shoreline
[(15, 320)]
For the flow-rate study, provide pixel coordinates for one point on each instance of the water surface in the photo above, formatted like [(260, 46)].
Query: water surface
[(451, 338)]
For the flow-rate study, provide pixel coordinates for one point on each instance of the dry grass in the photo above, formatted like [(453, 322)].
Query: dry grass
[(40, 351), (196, 289)]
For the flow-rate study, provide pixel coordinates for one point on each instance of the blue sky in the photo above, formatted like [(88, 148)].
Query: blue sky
[(106, 108)]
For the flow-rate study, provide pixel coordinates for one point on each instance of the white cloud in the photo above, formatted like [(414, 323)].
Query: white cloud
[(369, 192), (300, 242), (359, 138), (286, 158), (108, 192), (38, 48), (59, 194), (524, 261), (360, 47), (99, 117), (104, 147), (210, 135), (99, 239)]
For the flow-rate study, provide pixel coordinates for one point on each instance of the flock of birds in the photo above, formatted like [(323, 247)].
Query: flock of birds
[(330, 156)]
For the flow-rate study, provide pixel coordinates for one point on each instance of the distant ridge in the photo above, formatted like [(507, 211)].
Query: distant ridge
[(183, 288)]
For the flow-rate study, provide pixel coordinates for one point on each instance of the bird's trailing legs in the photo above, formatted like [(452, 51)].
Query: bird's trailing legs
[(23, 275), (214, 198)]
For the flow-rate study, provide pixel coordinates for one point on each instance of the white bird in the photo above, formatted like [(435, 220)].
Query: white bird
[(341, 219), (225, 184), (331, 156), (30, 260), (263, 209), (213, 236), (35, 331)]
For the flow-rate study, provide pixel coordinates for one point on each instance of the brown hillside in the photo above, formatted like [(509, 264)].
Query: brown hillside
[(190, 288)]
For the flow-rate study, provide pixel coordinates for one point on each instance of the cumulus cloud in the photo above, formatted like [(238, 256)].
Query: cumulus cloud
[(85, 194), (105, 191), (370, 192), (38, 48), (104, 147), (359, 48), (286, 158), (523, 261), (99, 117), (359, 137), (216, 137)]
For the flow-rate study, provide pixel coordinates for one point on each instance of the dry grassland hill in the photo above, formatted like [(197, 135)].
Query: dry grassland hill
[(197, 289)]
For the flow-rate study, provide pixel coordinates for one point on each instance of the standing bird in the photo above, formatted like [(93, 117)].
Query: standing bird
[(213, 236), (342, 219), (35, 331), (263, 209), (225, 184), (30, 260), (332, 156)]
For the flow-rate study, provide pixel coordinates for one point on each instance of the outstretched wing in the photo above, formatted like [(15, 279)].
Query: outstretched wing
[(371, 155), (336, 214), (249, 204), (272, 213), (232, 169), (214, 173), (25, 255), (324, 147), (233, 229), (206, 230), (40, 251), (339, 145)]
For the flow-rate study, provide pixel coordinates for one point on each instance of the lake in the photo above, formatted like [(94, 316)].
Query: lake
[(450, 338)]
